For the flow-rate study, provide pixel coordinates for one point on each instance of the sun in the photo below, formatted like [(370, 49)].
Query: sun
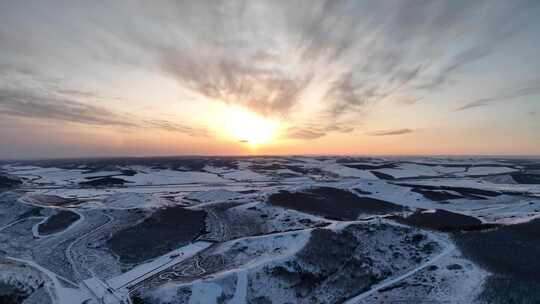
[(250, 128)]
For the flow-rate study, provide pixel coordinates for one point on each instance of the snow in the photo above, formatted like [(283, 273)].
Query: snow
[(164, 177), (448, 286), (133, 200), (448, 170), (241, 288), (153, 188), (35, 231), (282, 219), (516, 218), (395, 194), (245, 175), (212, 195), (24, 279), (447, 250), (285, 172), (57, 176), (102, 173), (410, 170), (262, 250), (290, 242), (479, 184), (349, 172), (62, 294), (205, 293), (145, 270), (54, 176), (104, 292), (486, 171), (216, 170)]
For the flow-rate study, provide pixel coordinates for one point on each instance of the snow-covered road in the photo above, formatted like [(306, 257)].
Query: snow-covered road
[(144, 271)]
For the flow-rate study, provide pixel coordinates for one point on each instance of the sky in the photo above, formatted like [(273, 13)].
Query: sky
[(392, 77)]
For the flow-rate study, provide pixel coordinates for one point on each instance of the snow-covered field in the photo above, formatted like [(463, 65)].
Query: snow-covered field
[(196, 230)]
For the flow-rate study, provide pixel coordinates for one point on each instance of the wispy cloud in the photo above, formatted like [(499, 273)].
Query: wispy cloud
[(320, 41), (35, 105), (85, 94), (175, 127), (29, 104), (277, 58), (305, 134), (530, 88), (308, 132), (389, 132), (267, 90)]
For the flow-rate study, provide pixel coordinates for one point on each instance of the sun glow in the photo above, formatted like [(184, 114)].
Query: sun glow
[(250, 128)]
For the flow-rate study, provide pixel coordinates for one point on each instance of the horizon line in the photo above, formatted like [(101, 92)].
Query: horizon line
[(25, 159)]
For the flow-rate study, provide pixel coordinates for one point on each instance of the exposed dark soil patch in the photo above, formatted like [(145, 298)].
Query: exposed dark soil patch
[(93, 165), (454, 267), (10, 294), (466, 166), (348, 160), (164, 231), (103, 182), (58, 222), (372, 167), (248, 191), (294, 168), (127, 172), (523, 178), (531, 165), (268, 167), (471, 193), (34, 211), (448, 165), (53, 200), (361, 192), (511, 253), (8, 182), (332, 203), (443, 220), (382, 175), (198, 164)]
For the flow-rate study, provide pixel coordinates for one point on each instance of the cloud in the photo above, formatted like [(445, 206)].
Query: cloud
[(530, 88), (35, 105), (503, 23), (85, 94), (176, 127), (308, 132), (267, 90), (403, 47), (389, 132), (346, 95), (296, 133), (273, 57), (44, 106), (406, 100)]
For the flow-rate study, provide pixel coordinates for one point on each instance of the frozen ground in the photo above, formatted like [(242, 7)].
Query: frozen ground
[(270, 230)]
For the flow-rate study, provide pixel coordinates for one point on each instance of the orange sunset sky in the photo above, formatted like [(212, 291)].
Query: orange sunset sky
[(132, 78)]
